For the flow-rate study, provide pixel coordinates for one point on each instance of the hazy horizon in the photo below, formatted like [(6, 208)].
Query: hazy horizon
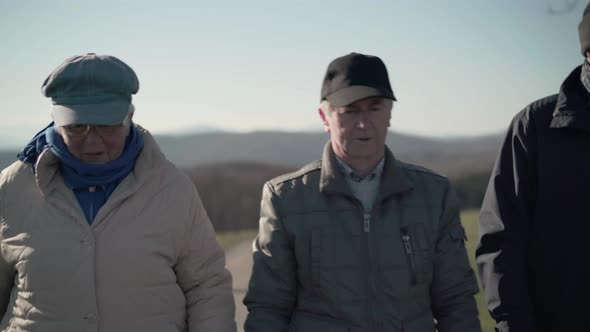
[(12, 138)]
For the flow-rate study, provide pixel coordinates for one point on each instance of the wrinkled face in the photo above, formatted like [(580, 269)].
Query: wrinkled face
[(99, 145), (358, 131)]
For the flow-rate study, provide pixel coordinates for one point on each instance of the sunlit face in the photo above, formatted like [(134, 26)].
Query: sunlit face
[(358, 131), (98, 145)]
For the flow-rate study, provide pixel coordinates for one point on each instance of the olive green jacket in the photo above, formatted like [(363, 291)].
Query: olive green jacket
[(322, 264)]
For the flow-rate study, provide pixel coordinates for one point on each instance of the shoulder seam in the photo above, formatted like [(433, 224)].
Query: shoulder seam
[(543, 102), (298, 173)]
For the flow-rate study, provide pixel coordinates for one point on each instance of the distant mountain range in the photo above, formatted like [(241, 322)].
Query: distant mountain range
[(453, 157)]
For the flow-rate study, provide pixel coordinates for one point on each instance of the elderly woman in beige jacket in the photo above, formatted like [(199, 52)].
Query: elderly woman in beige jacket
[(98, 231)]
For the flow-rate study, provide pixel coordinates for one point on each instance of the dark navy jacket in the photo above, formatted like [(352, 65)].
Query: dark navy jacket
[(535, 220)]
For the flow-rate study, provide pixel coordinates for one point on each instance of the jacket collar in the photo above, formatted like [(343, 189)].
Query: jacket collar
[(47, 172), (393, 179), (573, 104)]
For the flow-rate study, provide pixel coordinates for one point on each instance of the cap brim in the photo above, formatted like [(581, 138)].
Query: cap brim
[(97, 114), (354, 93)]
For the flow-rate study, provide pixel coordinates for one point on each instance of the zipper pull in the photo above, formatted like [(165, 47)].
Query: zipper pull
[(92, 189), (406, 241), (367, 222)]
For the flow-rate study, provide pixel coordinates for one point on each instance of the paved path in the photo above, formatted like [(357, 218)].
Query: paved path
[(239, 263)]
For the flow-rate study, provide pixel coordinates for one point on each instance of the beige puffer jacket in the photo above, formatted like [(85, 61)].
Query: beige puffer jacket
[(149, 261)]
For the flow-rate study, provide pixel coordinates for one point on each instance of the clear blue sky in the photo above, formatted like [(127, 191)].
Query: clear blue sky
[(458, 67)]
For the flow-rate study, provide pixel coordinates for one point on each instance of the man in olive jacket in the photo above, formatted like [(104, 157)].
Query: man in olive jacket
[(534, 219), (360, 241)]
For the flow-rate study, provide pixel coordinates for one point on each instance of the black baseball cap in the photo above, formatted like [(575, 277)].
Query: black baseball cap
[(91, 89), (354, 77)]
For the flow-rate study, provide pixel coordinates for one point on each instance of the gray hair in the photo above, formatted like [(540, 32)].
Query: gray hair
[(127, 119)]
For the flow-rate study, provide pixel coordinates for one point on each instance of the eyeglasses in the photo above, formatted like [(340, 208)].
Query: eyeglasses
[(78, 130)]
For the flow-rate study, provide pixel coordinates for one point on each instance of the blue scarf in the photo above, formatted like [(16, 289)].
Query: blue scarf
[(33, 149), (80, 176)]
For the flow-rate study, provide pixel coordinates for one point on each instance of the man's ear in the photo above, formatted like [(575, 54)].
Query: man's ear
[(324, 120)]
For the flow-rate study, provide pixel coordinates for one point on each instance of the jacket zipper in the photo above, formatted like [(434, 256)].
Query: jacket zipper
[(407, 241), (370, 266)]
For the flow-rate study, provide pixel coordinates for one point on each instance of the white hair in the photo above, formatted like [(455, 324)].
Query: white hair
[(127, 119)]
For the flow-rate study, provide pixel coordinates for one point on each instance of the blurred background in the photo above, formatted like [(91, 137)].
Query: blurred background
[(231, 88)]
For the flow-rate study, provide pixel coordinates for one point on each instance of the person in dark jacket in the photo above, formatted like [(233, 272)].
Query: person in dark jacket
[(534, 222), (360, 241)]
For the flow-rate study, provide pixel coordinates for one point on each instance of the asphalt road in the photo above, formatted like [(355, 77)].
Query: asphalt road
[(239, 263)]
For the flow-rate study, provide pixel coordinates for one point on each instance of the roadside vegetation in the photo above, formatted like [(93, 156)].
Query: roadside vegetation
[(469, 220)]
